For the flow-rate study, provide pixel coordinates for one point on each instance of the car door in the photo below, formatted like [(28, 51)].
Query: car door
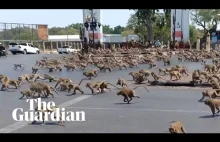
[(33, 48)]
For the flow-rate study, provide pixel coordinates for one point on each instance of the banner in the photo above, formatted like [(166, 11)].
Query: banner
[(43, 32)]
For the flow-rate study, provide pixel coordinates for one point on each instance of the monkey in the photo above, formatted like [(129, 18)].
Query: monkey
[(71, 86), (196, 76), (213, 104), (140, 78), (156, 77), (162, 71), (94, 85), (129, 93), (49, 77), (210, 68), (180, 59), (47, 89), (6, 82), (1, 77), (47, 111), (176, 127), (27, 93), (166, 61), (145, 72), (34, 77), (134, 74), (90, 74), (51, 68), (70, 66), (121, 82), (152, 65), (203, 62), (21, 66), (217, 76), (34, 70), (176, 74), (35, 88), (209, 93), (61, 79), (25, 77)]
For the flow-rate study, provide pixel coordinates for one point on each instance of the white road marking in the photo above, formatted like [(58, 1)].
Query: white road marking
[(153, 110), (18, 125)]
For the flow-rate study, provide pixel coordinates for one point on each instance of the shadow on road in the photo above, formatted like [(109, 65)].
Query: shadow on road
[(208, 116)]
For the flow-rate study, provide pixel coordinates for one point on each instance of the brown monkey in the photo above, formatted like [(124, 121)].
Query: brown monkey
[(47, 111), (6, 82), (24, 77), (94, 86), (176, 127), (167, 61), (156, 77), (61, 79), (121, 82), (71, 86), (90, 74), (70, 66), (34, 77), (129, 93), (162, 71), (209, 93), (196, 76), (49, 77), (210, 68), (213, 104), (134, 74), (175, 74), (145, 72), (47, 89), (27, 93)]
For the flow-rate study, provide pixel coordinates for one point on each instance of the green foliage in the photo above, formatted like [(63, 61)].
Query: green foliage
[(192, 33), (205, 18)]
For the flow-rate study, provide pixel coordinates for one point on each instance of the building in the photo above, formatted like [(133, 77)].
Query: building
[(181, 25)]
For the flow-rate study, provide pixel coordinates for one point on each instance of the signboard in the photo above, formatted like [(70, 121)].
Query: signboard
[(43, 32)]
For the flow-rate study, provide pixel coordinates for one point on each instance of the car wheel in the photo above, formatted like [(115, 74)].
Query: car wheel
[(38, 52), (13, 53), (25, 51)]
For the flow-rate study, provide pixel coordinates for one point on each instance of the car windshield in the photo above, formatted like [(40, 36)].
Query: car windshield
[(23, 44), (66, 47)]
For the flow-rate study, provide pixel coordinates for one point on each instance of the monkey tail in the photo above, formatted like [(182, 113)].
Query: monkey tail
[(54, 90), (141, 86), (82, 80), (113, 85)]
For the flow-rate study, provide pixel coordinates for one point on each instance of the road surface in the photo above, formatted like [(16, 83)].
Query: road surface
[(107, 113)]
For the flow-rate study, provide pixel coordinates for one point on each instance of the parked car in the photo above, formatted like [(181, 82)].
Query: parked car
[(3, 52), (23, 48), (67, 49)]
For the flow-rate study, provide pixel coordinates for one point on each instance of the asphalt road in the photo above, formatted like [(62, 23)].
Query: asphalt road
[(107, 113)]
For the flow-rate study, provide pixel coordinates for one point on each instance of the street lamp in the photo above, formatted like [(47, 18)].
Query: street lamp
[(92, 24)]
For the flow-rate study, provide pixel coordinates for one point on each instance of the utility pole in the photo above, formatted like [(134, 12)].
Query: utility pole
[(174, 27)]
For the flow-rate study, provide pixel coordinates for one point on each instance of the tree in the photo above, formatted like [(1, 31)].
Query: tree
[(206, 18), (107, 29), (193, 33), (147, 17), (138, 28), (127, 32)]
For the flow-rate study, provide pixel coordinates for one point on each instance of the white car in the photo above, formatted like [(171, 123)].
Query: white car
[(67, 49), (23, 48)]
